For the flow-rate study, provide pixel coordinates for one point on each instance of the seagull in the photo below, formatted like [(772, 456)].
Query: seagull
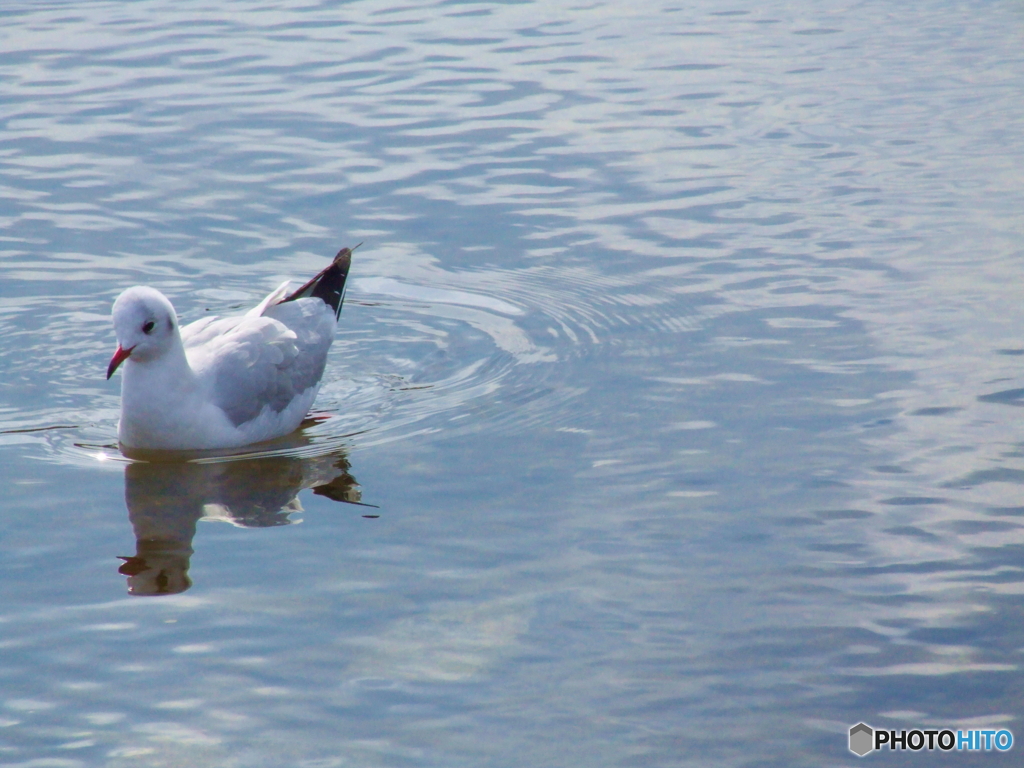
[(223, 382)]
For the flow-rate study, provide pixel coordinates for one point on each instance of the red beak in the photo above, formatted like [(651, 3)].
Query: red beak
[(119, 357)]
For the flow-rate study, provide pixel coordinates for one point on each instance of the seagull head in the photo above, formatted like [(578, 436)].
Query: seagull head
[(145, 324)]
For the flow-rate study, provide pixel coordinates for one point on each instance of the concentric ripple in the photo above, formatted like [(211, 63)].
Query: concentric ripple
[(434, 350)]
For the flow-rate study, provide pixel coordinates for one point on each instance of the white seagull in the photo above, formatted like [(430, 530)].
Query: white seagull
[(223, 382)]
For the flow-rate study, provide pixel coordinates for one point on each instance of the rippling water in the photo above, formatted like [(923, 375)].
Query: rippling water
[(673, 418)]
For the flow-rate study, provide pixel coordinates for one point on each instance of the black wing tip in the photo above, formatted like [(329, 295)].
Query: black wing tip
[(343, 259), (329, 284)]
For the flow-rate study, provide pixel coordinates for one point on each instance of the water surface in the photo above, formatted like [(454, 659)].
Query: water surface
[(681, 367)]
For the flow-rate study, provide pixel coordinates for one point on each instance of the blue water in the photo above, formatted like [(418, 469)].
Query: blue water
[(674, 418)]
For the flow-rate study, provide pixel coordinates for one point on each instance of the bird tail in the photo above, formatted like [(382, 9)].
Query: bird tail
[(329, 284)]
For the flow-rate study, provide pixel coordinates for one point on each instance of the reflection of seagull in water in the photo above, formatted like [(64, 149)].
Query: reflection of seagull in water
[(166, 499), (219, 383)]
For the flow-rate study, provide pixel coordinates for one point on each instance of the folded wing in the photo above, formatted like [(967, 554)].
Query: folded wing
[(253, 363), (275, 354)]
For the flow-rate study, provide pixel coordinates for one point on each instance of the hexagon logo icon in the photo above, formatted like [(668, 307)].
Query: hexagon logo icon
[(862, 737)]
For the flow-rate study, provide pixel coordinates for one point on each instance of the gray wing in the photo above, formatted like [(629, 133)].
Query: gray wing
[(202, 330), (254, 362)]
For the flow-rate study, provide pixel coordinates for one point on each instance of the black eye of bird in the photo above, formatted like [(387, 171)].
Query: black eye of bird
[(148, 327)]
